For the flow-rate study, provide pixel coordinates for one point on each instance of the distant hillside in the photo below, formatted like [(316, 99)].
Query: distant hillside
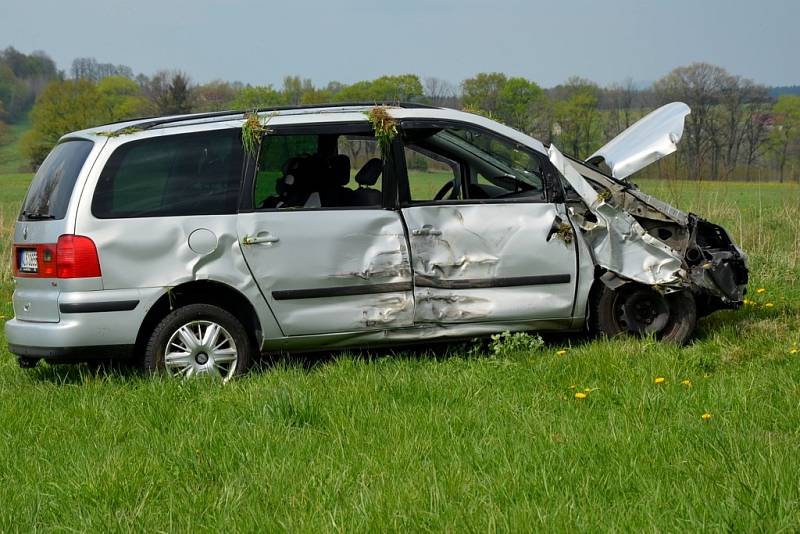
[(775, 92)]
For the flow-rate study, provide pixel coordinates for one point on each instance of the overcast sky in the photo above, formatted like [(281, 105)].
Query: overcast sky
[(259, 42)]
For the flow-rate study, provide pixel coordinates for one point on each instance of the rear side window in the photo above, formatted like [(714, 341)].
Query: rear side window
[(189, 174), (48, 195)]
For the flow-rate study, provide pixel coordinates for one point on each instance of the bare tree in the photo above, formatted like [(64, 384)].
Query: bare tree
[(699, 85), (440, 92)]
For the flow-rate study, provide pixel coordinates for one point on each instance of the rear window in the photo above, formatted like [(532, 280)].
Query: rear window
[(189, 174), (48, 195)]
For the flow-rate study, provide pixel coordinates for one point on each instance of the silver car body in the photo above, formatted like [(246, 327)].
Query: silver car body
[(396, 275)]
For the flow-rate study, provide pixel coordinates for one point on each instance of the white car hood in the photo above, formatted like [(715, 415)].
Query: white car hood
[(646, 141)]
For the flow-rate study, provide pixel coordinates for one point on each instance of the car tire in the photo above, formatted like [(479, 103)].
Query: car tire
[(199, 339), (635, 309)]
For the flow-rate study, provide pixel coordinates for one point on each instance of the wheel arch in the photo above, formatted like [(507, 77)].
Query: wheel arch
[(201, 292)]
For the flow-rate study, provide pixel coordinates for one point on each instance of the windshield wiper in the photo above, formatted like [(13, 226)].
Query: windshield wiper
[(34, 216)]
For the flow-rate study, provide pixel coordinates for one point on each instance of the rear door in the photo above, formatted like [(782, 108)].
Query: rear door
[(326, 255), (488, 243)]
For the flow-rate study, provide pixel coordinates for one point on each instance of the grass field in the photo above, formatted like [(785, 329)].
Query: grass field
[(451, 440), (11, 160)]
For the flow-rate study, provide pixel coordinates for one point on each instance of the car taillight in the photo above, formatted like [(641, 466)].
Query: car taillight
[(76, 257), (73, 256)]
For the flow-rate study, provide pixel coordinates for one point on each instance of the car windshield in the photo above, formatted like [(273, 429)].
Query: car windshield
[(48, 196), (516, 162)]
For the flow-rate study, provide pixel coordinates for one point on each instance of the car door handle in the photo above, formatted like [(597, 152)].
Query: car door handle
[(426, 229), (259, 238), (555, 227)]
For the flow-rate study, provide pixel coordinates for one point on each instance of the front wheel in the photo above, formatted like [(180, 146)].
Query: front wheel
[(199, 339), (641, 310)]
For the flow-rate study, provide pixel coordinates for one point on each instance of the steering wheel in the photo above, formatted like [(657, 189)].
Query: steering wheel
[(443, 191)]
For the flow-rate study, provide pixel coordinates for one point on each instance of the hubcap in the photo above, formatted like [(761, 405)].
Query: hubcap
[(643, 311), (201, 347)]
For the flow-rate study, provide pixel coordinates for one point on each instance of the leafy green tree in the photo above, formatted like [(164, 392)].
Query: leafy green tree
[(295, 89), (254, 97), (577, 117), (402, 88), (122, 99), (482, 93), (14, 93), (62, 107), (517, 102), (785, 134)]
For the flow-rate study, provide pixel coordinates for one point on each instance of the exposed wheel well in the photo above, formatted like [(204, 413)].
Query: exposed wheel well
[(201, 292)]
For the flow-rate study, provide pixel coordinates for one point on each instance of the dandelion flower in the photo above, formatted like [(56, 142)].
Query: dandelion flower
[(660, 380), (706, 416), (794, 351), (687, 383), (580, 395), (760, 290), (768, 305), (561, 352)]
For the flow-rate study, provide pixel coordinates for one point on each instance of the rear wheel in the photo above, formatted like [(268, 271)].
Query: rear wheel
[(199, 339), (641, 310)]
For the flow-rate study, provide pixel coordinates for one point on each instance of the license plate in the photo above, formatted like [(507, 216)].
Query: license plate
[(28, 261)]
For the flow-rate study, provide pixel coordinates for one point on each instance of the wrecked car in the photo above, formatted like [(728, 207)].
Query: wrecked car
[(194, 243)]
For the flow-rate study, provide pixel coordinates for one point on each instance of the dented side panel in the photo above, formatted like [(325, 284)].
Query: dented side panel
[(326, 271), (490, 262), (619, 243)]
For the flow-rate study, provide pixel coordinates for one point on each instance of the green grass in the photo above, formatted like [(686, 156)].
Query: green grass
[(451, 440), (11, 159)]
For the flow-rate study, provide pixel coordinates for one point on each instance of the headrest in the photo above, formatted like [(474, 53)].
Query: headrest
[(340, 170), (370, 172)]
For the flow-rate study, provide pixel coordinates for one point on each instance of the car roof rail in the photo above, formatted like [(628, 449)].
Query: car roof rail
[(155, 122)]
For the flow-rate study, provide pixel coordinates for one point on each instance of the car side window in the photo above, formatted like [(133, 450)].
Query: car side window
[(431, 176), (186, 174), (492, 167), (326, 170)]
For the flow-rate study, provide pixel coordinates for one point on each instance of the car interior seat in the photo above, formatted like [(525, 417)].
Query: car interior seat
[(334, 191), (367, 176)]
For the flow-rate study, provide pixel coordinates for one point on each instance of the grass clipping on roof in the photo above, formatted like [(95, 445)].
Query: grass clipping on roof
[(385, 128), (253, 130)]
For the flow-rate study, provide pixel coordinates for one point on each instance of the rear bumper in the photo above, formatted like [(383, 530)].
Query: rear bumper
[(93, 324), (73, 353)]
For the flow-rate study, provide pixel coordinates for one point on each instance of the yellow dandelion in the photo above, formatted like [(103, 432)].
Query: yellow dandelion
[(580, 395), (687, 383), (794, 351), (706, 416), (760, 290), (768, 305), (660, 380), (561, 352)]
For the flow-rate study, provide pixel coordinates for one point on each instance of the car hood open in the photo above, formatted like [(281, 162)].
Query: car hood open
[(646, 141)]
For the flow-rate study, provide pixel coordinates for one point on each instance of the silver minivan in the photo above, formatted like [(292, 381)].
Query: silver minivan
[(170, 241)]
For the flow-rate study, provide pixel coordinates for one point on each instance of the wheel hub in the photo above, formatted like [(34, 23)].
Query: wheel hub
[(643, 311), (201, 347)]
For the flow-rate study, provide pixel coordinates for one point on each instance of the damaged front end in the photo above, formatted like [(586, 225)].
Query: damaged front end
[(634, 237)]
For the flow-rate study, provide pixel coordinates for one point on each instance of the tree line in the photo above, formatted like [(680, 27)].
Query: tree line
[(737, 128)]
